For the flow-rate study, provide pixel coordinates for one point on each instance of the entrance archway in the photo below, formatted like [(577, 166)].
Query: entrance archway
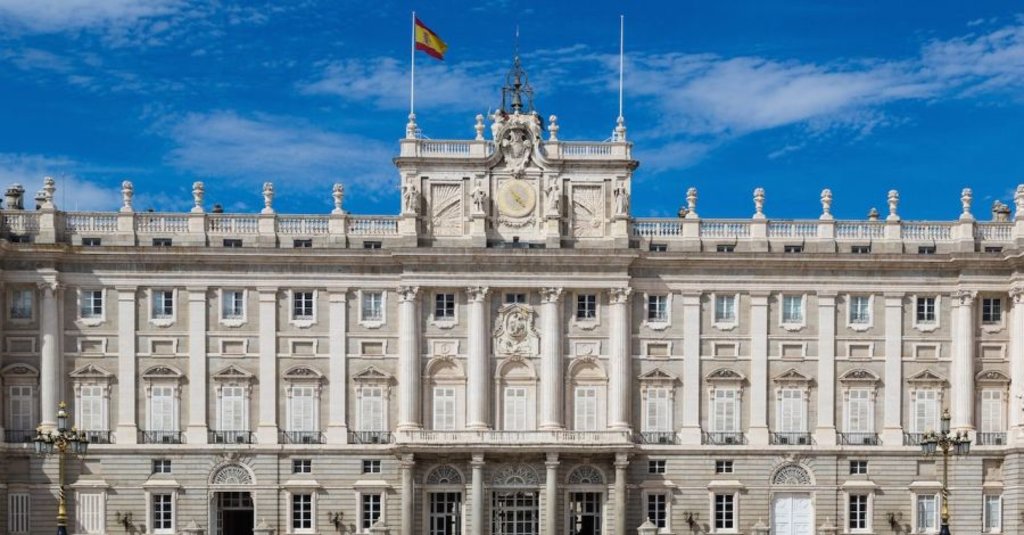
[(231, 503)]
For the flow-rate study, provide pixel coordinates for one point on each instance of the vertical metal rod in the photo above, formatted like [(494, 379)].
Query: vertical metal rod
[(622, 41), (412, 68)]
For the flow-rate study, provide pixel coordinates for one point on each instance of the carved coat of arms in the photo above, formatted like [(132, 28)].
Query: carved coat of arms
[(514, 331)]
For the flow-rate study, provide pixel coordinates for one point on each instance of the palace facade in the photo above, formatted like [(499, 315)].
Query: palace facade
[(512, 354)]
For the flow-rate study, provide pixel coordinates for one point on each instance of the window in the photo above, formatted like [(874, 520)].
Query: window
[(927, 512), (371, 245), (232, 304), (91, 242), (585, 408), (21, 304), (792, 411), (232, 242), (373, 306), (993, 513), (302, 244), (21, 408), (723, 467), (89, 513), (993, 249), (302, 513), (992, 411), (444, 408), (656, 467), (991, 311), (369, 510), (926, 249), (860, 309), (658, 248), (91, 305), (926, 310), (371, 409), (91, 413), (444, 307), (725, 512), (233, 413), (793, 248), (657, 308), (725, 309), (725, 248), (926, 411), (19, 238), (860, 249), (302, 305), (302, 466), (657, 510), (658, 413), (858, 468), (163, 304), (162, 517), (371, 466), (515, 404), (161, 242), (161, 466), (302, 409), (860, 411), (725, 411), (586, 307), (162, 413), (18, 513), (511, 298), (793, 309), (857, 512)]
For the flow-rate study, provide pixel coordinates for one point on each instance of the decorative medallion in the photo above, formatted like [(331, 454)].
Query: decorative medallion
[(516, 198), (514, 333)]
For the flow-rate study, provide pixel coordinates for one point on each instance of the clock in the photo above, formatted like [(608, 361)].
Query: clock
[(516, 198)]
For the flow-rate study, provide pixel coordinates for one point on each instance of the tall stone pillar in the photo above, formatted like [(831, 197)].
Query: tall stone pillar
[(477, 520), (551, 494), (962, 368), (267, 427), (337, 337), (759, 369), (621, 500), (478, 365), (825, 433), (552, 399), (409, 375), (690, 433), (406, 465), (1015, 434), (620, 360), (127, 374), (892, 431), (49, 365), (197, 368)]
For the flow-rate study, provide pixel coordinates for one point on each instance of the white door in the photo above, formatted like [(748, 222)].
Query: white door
[(792, 514)]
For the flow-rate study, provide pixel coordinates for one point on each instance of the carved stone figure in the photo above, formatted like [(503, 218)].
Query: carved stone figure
[(621, 199), (826, 204), (409, 199), (198, 190), (268, 198), (553, 196), (338, 192), (127, 191), (479, 198)]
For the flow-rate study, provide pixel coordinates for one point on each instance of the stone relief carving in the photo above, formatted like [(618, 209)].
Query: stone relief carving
[(514, 332), (553, 198), (587, 211), (791, 474), (516, 475), (621, 199), (446, 215), (232, 474), (410, 200), (586, 475), (479, 198), (444, 475)]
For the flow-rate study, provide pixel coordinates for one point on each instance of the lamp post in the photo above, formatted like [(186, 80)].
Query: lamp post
[(956, 443), (62, 442)]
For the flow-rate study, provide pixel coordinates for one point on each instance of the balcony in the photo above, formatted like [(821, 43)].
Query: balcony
[(231, 437), (99, 437), (913, 439), (369, 437), (790, 439), (724, 439), (991, 439), (161, 437), (302, 437), (858, 439), (656, 437), (514, 438), (19, 436)]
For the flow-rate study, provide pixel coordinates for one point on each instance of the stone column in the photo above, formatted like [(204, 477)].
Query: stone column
[(477, 521), (1015, 434), (127, 375), (552, 399), (620, 373), (962, 367), (267, 428), (759, 369), (49, 364), (337, 419), (197, 368), (409, 374), (892, 432), (825, 434), (551, 494), (406, 465), (621, 464), (690, 433), (478, 361)]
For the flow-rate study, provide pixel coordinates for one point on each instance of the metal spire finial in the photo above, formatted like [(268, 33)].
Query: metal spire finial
[(517, 86)]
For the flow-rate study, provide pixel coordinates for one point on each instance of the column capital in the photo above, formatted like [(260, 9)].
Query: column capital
[(477, 294), (963, 297), (550, 295), (827, 295), (619, 296), (759, 297), (894, 296), (407, 293), (267, 293), (51, 285), (477, 460), (551, 460), (1017, 294), (337, 295), (407, 462), (621, 461)]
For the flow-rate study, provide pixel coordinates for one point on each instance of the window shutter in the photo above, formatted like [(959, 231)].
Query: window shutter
[(303, 409), (859, 412), (162, 409), (515, 408), (726, 411), (791, 412), (232, 407), (20, 410), (444, 408), (371, 409), (658, 411), (585, 406), (89, 513), (991, 411), (18, 513), (90, 412)]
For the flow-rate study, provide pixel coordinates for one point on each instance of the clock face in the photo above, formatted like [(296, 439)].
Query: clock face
[(516, 198)]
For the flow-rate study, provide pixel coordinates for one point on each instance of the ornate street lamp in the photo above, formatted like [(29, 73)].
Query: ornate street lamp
[(61, 442), (956, 443)]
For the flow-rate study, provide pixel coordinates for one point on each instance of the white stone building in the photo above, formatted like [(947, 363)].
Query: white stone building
[(514, 353)]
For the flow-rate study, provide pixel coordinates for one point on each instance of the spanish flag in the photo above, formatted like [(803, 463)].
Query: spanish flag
[(429, 42)]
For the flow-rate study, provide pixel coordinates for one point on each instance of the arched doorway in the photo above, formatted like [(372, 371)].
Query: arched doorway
[(792, 510), (232, 510), (515, 501), (586, 486), (444, 486)]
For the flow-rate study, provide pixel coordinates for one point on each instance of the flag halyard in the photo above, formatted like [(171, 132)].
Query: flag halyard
[(428, 42)]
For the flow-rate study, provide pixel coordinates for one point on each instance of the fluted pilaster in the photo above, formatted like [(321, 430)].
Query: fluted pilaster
[(691, 432), (551, 380), (127, 415), (619, 360), (409, 416), (197, 366), (478, 363)]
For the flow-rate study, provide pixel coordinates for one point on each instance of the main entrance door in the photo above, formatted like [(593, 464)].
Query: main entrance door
[(234, 513), (792, 514), (585, 513)]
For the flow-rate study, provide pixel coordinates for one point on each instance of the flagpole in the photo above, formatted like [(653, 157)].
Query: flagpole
[(412, 70), (622, 40)]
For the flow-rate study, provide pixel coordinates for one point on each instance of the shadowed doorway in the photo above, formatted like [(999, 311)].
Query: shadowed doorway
[(235, 515)]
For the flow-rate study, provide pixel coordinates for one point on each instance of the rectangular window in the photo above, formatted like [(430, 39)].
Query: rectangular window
[(860, 309), (162, 518), (792, 411), (993, 513), (21, 408), (657, 308), (515, 408), (302, 244), (232, 409), (723, 467), (725, 308), (162, 242), (302, 466), (302, 409), (725, 512), (992, 411), (92, 304), (232, 242), (586, 307), (511, 298), (369, 510), (857, 512), (993, 249), (444, 408), (21, 304), (232, 304), (302, 305), (444, 307), (89, 513), (926, 411), (927, 513), (860, 411), (373, 306), (658, 417), (991, 311), (725, 411), (657, 510), (302, 512), (656, 467), (860, 249), (658, 247), (858, 468), (793, 249), (163, 304), (18, 513), (371, 466), (585, 407), (926, 310), (161, 409), (91, 242), (792, 309), (372, 245), (725, 248), (926, 249), (161, 466), (371, 409), (90, 413)]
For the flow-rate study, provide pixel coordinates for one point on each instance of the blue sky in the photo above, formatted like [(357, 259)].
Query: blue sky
[(860, 97)]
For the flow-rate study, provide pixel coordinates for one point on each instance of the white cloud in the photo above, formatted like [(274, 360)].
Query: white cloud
[(46, 16), (978, 64), (73, 192)]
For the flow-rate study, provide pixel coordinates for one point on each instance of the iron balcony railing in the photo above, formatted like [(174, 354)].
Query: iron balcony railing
[(161, 437), (369, 437), (231, 437), (991, 439), (16, 436), (99, 437), (656, 437), (302, 437), (858, 439), (791, 439), (724, 438)]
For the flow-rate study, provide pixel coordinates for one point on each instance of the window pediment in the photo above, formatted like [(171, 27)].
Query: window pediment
[(724, 375), (233, 373), (859, 376), (90, 373), (658, 376), (165, 373), (792, 377), (444, 367), (19, 371), (927, 377), (586, 369), (371, 374), (992, 377)]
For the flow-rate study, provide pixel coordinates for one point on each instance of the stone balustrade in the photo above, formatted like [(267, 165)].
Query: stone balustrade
[(513, 438)]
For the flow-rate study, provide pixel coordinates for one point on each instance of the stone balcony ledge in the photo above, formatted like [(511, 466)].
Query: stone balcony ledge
[(512, 438)]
